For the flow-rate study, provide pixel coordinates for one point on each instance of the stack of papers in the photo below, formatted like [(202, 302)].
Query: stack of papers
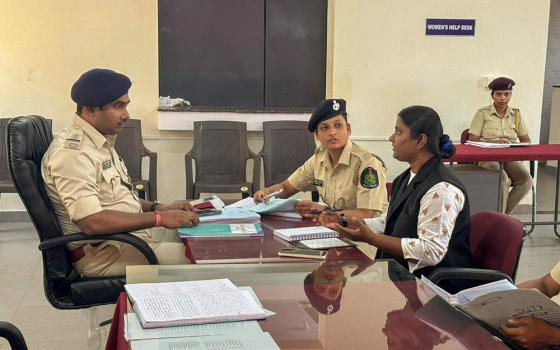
[(234, 335), (192, 302), (275, 206), (232, 216), (496, 145), (221, 230)]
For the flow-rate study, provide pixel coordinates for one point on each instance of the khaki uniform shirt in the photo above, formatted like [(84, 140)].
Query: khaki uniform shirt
[(84, 175), (555, 274), (357, 181), (490, 126)]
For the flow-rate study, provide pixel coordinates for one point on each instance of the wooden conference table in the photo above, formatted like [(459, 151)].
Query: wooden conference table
[(250, 249), (381, 306), (469, 153)]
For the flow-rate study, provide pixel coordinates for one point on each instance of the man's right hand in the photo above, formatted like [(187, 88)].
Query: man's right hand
[(178, 218), (260, 195)]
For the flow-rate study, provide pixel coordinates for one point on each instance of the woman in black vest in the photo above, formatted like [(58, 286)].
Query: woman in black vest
[(428, 222)]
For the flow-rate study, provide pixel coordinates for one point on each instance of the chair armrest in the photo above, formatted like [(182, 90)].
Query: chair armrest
[(152, 177), (189, 175), (128, 238), (446, 273), (13, 335), (256, 181)]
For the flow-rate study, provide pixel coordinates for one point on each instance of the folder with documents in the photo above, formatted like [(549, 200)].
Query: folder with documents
[(221, 230), (233, 216)]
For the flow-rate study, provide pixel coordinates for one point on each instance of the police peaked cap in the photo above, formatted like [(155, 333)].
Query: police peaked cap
[(98, 86), (501, 83), (326, 109)]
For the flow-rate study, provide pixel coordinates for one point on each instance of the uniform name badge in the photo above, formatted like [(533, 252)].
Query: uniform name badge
[(106, 164), (317, 182), (369, 178)]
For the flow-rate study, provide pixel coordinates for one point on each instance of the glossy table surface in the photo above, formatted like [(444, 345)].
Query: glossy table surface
[(248, 249), (340, 304), (470, 153)]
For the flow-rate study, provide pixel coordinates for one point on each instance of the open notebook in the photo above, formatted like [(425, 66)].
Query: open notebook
[(302, 233), (192, 302)]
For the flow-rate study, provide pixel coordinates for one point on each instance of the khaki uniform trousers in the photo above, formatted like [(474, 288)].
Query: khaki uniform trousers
[(521, 182), (111, 258)]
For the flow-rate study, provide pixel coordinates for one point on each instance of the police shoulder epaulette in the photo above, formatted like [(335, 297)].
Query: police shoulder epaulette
[(378, 158), (74, 138)]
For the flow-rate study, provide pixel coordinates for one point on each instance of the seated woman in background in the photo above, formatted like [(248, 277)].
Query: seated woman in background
[(499, 123), (346, 176), (428, 221)]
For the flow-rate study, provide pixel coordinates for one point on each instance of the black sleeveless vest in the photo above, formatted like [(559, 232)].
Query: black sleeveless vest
[(404, 207)]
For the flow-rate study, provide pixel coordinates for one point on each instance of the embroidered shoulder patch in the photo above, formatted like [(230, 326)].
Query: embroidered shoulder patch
[(369, 178)]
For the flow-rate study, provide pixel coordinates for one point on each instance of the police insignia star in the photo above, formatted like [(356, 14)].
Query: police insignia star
[(369, 178)]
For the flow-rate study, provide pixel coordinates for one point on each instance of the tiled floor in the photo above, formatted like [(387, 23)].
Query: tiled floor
[(22, 301)]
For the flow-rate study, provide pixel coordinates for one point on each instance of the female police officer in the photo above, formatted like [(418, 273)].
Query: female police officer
[(499, 123), (346, 176)]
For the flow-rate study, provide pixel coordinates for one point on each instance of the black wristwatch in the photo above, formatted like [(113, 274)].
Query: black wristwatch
[(343, 220), (154, 205)]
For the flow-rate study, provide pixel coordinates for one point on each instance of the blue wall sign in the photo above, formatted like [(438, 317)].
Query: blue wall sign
[(438, 26)]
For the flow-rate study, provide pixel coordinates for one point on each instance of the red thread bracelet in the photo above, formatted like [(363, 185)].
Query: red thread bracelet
[(158, 218)]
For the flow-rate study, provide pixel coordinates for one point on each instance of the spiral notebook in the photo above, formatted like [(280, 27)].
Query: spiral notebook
[(302, 233)]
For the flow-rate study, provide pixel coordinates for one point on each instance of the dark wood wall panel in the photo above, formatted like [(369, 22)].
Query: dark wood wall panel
[(211, 51), (296, 45)]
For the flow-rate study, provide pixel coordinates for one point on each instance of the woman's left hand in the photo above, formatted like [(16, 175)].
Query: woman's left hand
[(357, 230)]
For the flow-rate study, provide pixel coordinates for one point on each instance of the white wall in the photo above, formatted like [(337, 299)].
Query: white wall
[(378, 59), (383, 61)]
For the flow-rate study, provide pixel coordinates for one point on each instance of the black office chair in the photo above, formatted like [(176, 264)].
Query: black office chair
[(6, 185), (28, 138), (12, 334), (130, 147)]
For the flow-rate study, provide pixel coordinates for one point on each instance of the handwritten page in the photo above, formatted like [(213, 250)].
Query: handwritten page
[(324, 243), (192, 302), (242, 341)]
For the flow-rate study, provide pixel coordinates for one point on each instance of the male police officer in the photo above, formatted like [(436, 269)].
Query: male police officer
[(90, 188), (499, 123), (346, 176)]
